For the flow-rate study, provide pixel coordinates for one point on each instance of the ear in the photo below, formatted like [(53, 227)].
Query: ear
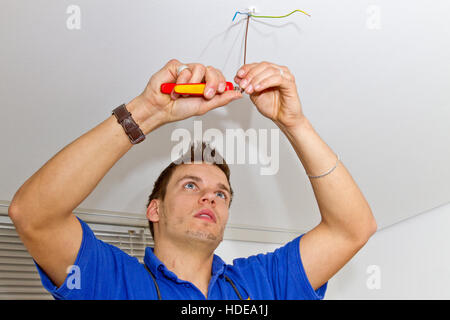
[(153, 210)]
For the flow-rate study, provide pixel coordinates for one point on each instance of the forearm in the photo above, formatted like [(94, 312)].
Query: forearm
[(342, 205), (59, 186)]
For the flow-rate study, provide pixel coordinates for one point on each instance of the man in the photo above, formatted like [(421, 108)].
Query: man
[(189, 212)]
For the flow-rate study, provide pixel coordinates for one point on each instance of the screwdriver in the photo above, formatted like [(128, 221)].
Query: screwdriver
[(192, 89)]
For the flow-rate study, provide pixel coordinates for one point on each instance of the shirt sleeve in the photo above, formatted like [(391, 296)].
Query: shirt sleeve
[(96, 273), (281, 272)]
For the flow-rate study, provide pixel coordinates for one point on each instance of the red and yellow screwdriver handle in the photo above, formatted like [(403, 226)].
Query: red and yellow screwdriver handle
[(192, 89)]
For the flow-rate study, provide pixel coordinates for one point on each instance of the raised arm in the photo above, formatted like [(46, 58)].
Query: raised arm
[(41, 209), (347, 221)]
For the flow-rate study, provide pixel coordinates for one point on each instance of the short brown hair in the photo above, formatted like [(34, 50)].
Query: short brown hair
[(196, 153)]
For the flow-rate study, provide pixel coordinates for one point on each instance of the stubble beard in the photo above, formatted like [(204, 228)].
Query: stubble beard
[(205, 236), (200, 236)]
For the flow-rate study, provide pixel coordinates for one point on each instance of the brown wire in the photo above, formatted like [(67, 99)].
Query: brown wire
[(245, 46), (246, 32)]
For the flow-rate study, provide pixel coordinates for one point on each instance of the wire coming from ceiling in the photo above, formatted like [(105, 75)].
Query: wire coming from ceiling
[(255, 16)]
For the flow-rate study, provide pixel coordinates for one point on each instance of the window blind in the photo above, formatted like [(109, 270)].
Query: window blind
[(19, 278)]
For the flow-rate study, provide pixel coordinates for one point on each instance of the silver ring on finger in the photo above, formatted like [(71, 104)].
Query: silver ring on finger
[(181, 68)]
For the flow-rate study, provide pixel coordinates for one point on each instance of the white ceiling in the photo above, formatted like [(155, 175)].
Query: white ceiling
[(380, 98)]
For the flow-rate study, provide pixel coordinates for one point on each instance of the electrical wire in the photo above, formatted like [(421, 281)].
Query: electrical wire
[(296, 10), (251, 15), (245, 47), (248, 20), (239, 13)]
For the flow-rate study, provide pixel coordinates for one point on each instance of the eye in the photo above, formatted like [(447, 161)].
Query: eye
[(221, 194), (189, 185)]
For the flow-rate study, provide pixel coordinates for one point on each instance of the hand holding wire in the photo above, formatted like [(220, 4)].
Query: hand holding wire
[(273, 91)]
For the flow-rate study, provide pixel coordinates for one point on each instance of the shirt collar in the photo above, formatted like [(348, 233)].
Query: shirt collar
[(158, 268), (218, 266)]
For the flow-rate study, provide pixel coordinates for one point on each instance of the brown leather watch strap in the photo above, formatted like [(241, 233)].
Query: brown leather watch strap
[(133, 131)]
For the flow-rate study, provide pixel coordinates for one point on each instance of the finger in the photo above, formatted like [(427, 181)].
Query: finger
[(250, 73), (222, 82), (198, 72), (168, 73), (212, 78), (172, 66), (254, 84), (269, 81), (183, 77), (282, 77), (219, 101), (242, 72)]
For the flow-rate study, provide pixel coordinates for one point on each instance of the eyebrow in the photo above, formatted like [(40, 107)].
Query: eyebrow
[(198, 179)]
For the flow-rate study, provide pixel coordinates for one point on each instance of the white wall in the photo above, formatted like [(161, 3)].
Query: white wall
[(412, 257)]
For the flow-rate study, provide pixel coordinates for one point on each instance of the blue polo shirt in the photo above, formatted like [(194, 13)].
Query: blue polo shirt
[(103, 271)]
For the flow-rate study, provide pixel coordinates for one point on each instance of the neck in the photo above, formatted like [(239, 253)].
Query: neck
[(189, 263)]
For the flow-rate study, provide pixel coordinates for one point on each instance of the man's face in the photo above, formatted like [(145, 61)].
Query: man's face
[(195, 206)]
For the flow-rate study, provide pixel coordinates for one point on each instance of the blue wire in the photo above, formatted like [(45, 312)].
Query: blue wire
[(239, 13)]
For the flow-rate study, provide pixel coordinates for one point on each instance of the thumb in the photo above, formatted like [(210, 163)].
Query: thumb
[(219, 100)]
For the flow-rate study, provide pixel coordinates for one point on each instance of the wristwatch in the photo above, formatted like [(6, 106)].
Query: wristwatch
[(133, 131)]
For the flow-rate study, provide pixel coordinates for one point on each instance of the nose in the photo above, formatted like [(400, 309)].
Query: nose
[(208, 197)]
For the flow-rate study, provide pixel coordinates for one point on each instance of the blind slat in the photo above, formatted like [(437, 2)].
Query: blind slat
[(17, 261), (19, 275), (25, 296), (10, 239), (14, 253), (12, 246), (23, 289), (8, 232), (15, 267), (12, 283)]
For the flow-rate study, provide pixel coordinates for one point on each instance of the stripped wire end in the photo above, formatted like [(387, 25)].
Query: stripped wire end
[(237, 88)]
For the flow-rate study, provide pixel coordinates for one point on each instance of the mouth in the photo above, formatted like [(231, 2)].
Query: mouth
[(206, 214)]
